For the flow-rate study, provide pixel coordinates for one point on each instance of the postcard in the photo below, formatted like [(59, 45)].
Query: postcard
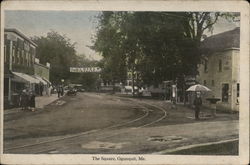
[(124, 82)]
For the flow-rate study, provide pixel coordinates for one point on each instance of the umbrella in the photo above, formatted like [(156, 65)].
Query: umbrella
[(198, 87)]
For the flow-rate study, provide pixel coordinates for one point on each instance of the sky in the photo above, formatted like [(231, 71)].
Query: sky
[(78, 26)]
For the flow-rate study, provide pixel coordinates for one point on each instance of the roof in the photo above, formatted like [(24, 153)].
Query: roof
[(222, 41), (20, 34)]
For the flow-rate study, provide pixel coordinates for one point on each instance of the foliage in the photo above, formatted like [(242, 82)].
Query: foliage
[(156, 45), (61, 54)]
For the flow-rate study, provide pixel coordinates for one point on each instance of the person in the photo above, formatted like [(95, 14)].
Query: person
[(197, 104), (24, 100), (58, 91), (41, 89), (32, 102), (49, 90), (62, 91)]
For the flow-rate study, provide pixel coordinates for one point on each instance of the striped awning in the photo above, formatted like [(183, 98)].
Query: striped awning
[(24, 78), (41, 80)]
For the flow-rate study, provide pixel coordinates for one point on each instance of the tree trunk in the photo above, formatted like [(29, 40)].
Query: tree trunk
[(133, 82)]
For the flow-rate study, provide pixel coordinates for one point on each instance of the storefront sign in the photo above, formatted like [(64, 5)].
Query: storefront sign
[(85, 69)]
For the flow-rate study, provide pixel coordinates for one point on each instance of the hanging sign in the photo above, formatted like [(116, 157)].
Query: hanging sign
[(85, 69)]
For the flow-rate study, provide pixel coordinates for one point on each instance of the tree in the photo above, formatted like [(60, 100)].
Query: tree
[(59, 52), (157, 45), (108, 42)]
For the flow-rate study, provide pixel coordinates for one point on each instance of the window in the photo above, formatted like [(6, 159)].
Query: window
[(22, 57), (220, 65), (205, 66), (5, 55), (13, 55), (212, 83), (238, 89), (205, 82), (225, 91), (26, 58), (18, 56)]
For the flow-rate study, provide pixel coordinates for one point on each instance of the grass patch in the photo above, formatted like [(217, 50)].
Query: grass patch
[(228, 148)]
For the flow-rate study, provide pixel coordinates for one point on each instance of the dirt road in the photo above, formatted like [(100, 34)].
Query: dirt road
[(101, 123)]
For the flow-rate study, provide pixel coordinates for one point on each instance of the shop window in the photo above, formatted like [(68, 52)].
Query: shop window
[(220, 65), (225, 92), (238, 89)]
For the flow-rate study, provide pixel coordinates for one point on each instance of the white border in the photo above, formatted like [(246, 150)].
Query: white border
[(226, 6)]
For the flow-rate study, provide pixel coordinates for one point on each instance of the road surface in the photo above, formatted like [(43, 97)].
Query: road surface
[(93, 123)]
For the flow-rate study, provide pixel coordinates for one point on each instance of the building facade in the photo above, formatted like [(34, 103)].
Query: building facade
[(220, 68), (19, 66), (42, 73)]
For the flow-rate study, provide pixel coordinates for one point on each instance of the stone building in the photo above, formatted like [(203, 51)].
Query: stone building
[(220, 67)]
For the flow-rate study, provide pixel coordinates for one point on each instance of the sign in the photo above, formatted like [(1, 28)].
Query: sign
[(85, 69)]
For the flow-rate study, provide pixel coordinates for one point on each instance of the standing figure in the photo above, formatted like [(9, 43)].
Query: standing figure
[(24, 100), (62, 91), (49, 90), (32, 100), (58, 91), (197, 104)]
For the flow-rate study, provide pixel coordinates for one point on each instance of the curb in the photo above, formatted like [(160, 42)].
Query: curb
[(194, 146)]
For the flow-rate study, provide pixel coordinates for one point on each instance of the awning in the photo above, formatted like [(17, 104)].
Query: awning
[(22, 77), (47, 80), (41, 80)]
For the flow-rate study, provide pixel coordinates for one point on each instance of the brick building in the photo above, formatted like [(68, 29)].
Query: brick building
[(19, 61)]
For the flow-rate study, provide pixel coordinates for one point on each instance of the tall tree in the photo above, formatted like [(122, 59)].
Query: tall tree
[(157, 45), (59, 52)]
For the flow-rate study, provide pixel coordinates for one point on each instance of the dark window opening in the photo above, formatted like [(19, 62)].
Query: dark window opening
[(238, 89), (225, 91)]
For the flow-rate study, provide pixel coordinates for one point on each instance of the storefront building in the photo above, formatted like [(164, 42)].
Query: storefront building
[(41, 72), (19, 59), (219, 69)]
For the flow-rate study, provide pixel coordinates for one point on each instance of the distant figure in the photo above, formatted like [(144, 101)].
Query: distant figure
[(32, 101), (24, 99), (197, 104), (41, 89), (62, 91), (49, 90), (58, 91)]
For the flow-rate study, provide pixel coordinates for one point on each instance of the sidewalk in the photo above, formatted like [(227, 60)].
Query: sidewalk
[(41, 101)]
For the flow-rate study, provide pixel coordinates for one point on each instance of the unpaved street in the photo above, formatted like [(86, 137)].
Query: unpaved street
[(102, 123)]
